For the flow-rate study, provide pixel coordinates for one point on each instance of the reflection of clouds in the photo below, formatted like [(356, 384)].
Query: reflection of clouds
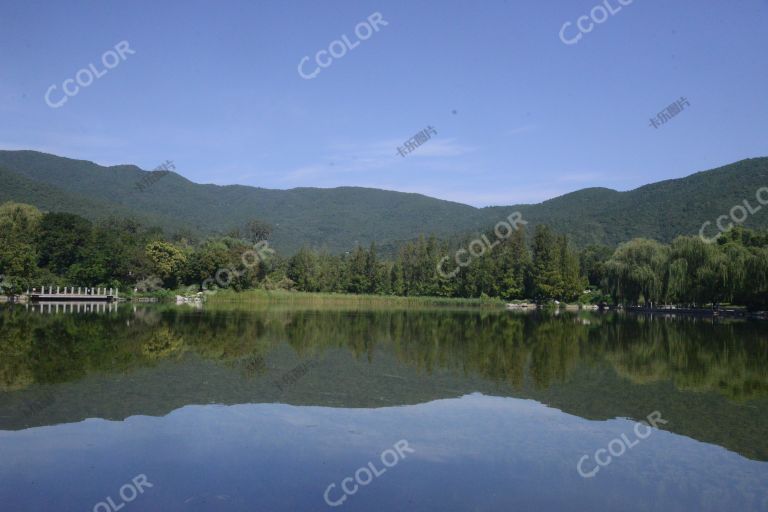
[(474, 426), (442, 431)]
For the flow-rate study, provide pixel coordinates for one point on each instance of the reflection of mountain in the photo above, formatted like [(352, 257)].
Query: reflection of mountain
[(709, 380)]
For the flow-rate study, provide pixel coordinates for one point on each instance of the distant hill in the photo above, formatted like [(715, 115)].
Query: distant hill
[(340, 218)]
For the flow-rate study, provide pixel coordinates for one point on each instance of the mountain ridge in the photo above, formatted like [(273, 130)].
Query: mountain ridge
[(339, 218)]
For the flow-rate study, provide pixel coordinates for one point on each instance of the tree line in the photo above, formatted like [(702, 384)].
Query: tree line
[(50, 248)]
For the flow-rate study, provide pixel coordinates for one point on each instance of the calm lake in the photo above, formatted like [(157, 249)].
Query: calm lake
[(164, 408)]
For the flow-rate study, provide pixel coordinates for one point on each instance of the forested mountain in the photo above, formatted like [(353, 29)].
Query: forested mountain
[(341, 218)]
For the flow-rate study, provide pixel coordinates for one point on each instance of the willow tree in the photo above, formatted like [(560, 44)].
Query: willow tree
[(754, 293), (731, 262), (637, 270), (689, 263)]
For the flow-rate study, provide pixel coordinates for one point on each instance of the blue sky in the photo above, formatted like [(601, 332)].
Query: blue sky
[(520, 116)]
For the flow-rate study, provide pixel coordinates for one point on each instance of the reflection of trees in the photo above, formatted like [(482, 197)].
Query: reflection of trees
[(15, 346), (161, 344), (471, 343), (556, 349), (728, 358), (497, 347)]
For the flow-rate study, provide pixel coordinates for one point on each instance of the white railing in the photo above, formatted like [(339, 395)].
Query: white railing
[(71, 291)]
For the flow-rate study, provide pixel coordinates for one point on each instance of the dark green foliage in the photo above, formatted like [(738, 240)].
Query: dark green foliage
[(18, 252), (547, 280), (592, 260), (256, 230), (341, 218), (58, 248), (691, 271), (62, 240)]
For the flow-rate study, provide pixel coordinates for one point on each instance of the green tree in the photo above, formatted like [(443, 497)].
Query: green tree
[(358, 276), (570, 271), (19, 225), (592, 260), (546, 267), (303, 269), (638, 270), (61, 240), (168, 262), (515, 265), (257, 230)]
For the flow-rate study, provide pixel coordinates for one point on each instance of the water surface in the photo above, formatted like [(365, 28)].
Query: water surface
[(237, 409)]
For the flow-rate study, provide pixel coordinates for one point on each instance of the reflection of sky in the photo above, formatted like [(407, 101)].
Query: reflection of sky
[(473, 453)]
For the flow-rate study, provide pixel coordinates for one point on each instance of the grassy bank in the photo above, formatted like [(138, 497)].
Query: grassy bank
[(339, 300)]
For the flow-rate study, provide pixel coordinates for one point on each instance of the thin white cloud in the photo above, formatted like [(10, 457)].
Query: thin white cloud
[(376, 156), (520, 130), (441, 148)]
